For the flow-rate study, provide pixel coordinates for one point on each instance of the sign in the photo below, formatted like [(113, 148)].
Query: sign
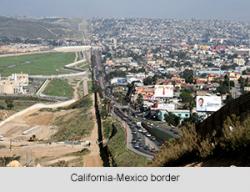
[(164, 91), (208, 103), (119, 81)]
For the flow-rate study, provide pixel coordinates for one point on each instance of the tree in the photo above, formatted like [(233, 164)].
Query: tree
[(131, 90), (172, 119), (9, 104), (222, 89), (104, 112), (187, 98), (225, 85), (116, 73), (148, 81), (139, 102), (243, 82), (229, 99), (188, 75), (226, 81), (194, 118)]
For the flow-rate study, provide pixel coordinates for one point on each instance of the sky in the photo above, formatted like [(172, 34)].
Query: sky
[(180, 9)]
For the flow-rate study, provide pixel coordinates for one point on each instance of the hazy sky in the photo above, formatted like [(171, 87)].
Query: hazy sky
[(200, 9)]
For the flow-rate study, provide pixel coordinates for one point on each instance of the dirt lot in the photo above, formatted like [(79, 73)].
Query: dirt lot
[(44, 151), (32, 123), (93, 158), (18, 131)]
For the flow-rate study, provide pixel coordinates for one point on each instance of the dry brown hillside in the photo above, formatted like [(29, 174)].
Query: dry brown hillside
[(221, 140)]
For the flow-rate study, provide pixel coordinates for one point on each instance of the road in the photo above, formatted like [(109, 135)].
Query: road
[(133, 135), (145, 147), (130, 137), (29, 53)]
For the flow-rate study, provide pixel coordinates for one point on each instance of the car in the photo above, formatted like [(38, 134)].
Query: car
[(140, 130), (134, 132), (138, 124), (144, 131), (153, 138), (139, 139), (132, 127), (136, 146), (134, 141), (146, 148), (148, 135)]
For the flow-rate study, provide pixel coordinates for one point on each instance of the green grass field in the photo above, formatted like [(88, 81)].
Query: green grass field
[(77, 124), (36, 64), (60, 88)]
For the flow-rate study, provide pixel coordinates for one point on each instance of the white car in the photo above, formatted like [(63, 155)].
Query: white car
[(144, 131), (138, 124)]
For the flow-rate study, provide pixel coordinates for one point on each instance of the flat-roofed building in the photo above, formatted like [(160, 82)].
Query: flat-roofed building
[(14, 84)]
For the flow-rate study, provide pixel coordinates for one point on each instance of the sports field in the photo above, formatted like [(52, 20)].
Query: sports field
[(60, 88), (36, 64)]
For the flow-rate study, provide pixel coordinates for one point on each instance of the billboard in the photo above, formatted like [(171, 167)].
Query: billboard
[(119, 81), (164, 91), (208, 103)]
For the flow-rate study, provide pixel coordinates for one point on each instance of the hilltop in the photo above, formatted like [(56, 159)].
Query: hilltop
[(221, 140), (46, 28)]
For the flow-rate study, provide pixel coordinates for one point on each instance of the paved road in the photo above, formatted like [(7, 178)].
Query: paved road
[(129, 138), (43, 87), (29, 53)]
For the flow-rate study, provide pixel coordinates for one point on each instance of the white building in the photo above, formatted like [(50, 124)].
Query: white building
[(14, 84), (239, 61)]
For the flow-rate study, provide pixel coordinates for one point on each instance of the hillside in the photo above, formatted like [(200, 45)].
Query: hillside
[(48, 28), (221, 140)]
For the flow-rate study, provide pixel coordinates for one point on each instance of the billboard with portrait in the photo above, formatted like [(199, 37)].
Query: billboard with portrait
[(164, 91), (208, 103)]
